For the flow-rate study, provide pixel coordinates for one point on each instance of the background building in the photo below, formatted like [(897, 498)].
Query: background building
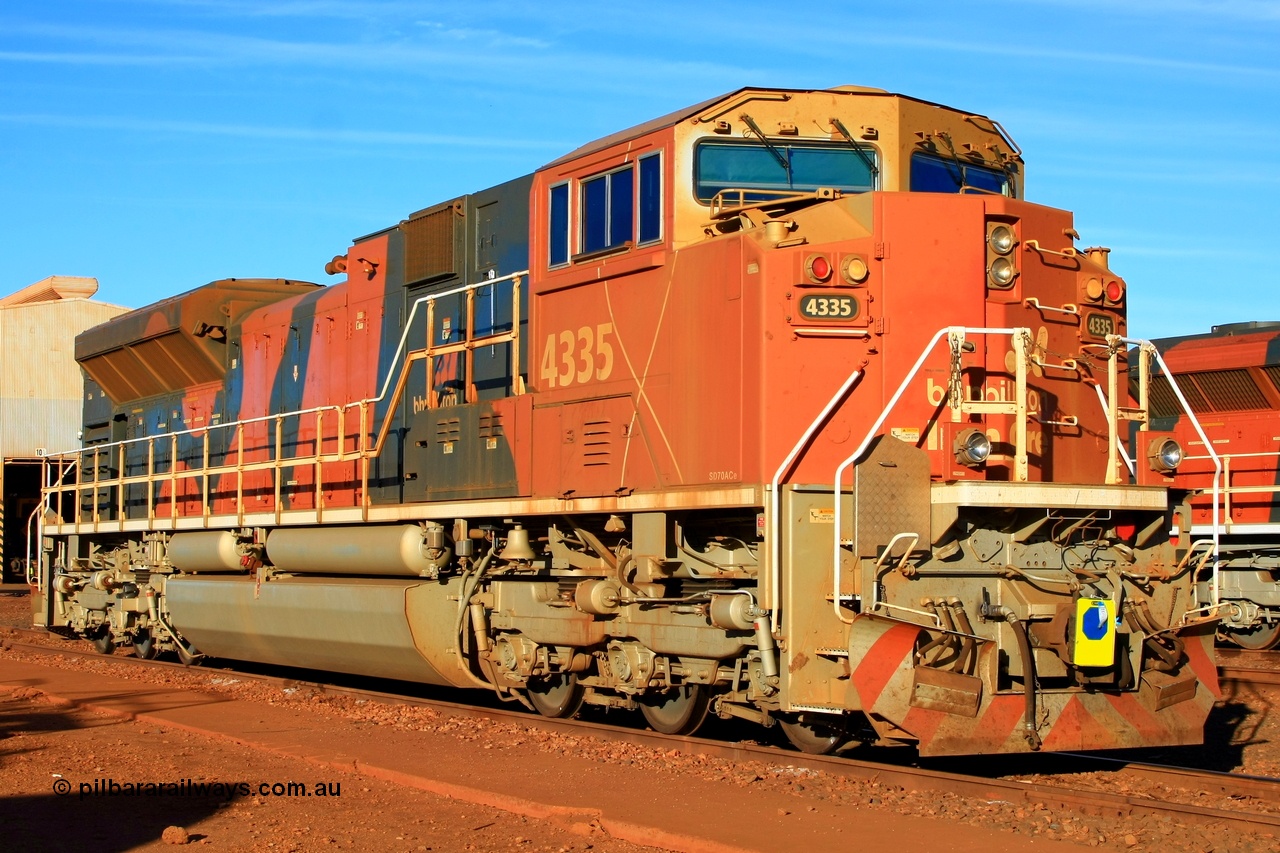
[(41, 392)]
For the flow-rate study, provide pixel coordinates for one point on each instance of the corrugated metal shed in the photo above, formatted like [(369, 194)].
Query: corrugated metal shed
[(41, 386), (41, 394)]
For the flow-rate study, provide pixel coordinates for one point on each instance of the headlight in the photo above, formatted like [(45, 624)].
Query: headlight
[(1002, 272), (855, 270), (1164, 455), (1001, 239), (972, 447)]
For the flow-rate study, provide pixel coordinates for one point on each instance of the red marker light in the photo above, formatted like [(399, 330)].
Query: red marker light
[(819, 268), (1115, 291)]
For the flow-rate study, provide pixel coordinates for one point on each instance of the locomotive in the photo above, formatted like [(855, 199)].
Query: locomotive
[(1230, 381), (784, 407)]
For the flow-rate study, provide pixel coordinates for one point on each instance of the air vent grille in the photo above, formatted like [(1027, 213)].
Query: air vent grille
[(428, 244), (597, 443)]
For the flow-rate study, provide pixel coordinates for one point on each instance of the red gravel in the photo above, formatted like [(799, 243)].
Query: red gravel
[(42, 744), (1251, 736)]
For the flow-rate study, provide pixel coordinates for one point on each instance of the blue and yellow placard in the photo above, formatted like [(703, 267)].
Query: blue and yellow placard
[(1095, 635)]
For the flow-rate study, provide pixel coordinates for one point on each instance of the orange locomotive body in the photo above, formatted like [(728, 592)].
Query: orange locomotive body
[(785, 406)]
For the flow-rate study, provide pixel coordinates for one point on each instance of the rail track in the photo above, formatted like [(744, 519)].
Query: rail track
[(987, 786), (1246, 668)]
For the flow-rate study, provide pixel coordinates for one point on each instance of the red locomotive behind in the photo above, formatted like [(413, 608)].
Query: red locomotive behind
[(784, 406), (1230, 379)]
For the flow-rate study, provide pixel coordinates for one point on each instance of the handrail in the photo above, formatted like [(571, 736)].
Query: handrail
[(362, 450), (951, 332), (1228, 490), (1115, 440), (1146, 351), (775, 511), (34, 520)]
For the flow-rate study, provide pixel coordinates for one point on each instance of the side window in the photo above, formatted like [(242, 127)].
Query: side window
[(608, 210), (650, 199), (558, 251)]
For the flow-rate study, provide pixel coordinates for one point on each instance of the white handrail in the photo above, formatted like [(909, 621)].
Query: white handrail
[(871, 434), (775, 511), (1124, 451), (1195, 422), (37, 519)]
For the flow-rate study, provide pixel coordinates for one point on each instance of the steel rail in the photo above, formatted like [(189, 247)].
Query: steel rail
[(1248, 676), (916, 779)]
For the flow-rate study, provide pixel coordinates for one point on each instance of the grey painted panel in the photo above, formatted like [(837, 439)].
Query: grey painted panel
[(331, 625)]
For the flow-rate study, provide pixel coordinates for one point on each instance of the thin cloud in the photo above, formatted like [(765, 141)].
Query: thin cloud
[(440, 54), (363, 137), (1074, 56), (1242, 10), (94, 58)]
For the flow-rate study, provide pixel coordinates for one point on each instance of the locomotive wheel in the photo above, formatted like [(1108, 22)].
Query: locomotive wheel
[(557, 696), (185, 657), (103, 643), (679, 711), (1258, 638), (144, 646), (815, 738)]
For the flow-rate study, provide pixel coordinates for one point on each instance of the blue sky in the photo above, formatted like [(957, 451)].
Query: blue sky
[(161, 144)]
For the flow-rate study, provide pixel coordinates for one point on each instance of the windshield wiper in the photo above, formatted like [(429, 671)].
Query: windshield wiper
[(961, 182), (866, 161), (778, 155)]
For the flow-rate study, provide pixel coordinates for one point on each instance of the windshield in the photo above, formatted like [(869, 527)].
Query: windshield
[(933, 174), (784, 167)]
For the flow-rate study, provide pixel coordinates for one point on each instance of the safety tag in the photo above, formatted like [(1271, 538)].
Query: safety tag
[(1095, 636)]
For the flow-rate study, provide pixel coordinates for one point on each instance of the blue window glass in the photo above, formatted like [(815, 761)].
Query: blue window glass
[(786, 168), (650, 199), (932, 174), (621, 207), (608, 210), (559, 216), (595, 214)]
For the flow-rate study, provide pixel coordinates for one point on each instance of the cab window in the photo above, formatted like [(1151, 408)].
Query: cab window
[(933, 174), (558, 248), (614, 210), (781, 168), (608, 207)]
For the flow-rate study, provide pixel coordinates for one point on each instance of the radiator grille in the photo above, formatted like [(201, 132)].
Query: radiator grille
[(1273, 373), (428, 243), (1209, 391), (1231, 390)]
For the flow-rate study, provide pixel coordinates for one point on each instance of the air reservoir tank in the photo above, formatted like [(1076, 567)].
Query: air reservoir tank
[(205, 551), (395, 550)]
